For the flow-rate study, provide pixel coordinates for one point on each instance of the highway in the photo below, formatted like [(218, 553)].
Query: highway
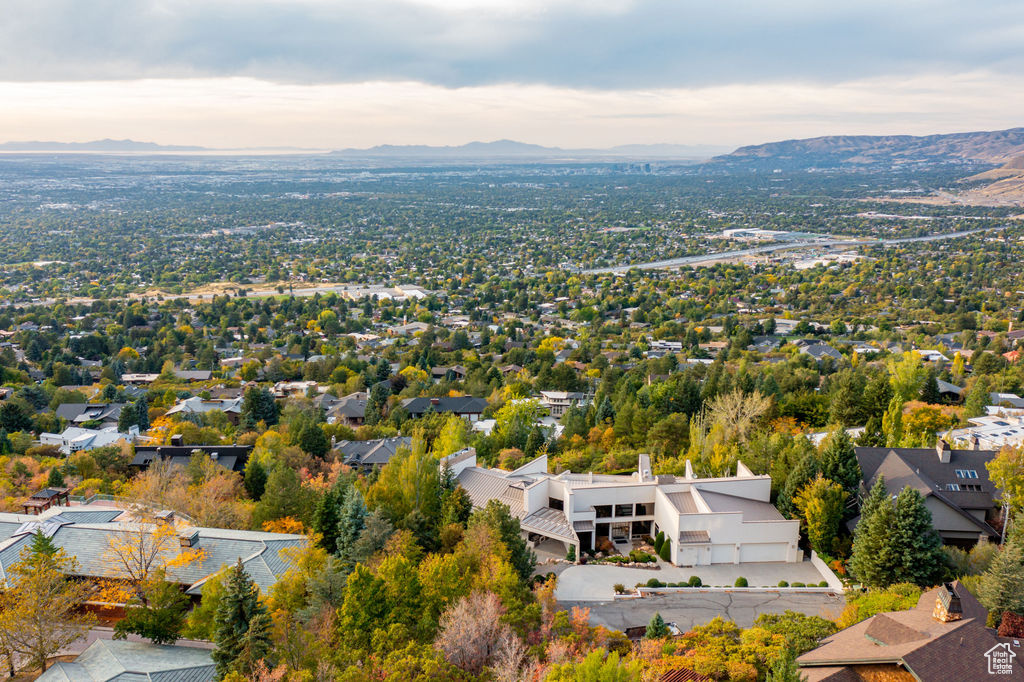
[(787, 246)]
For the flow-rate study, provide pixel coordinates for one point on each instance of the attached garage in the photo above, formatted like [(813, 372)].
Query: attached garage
[(723, 554), (763, 551), (689, 555)]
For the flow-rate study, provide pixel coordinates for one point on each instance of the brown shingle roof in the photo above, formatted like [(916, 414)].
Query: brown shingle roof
[(914, 641)]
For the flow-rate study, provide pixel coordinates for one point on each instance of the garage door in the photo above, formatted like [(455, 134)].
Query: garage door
[(687, 556), (754, 551), (723, 554)]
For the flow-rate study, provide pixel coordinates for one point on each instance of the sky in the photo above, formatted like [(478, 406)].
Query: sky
[(569, 73)]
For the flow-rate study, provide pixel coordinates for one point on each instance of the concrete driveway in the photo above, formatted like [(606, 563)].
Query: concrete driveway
[(595, 582), (689, 609)]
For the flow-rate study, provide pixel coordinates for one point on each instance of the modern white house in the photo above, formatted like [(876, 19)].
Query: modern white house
[(73, 438), (726, 520)]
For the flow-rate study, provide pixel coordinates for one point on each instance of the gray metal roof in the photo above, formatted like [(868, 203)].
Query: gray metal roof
[(90, 544), (124, 661), (694, 537), (753, 510), (683, 502), (549, 522), (483, 485)]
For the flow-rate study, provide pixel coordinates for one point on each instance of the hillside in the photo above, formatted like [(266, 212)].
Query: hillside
[(865, 151)]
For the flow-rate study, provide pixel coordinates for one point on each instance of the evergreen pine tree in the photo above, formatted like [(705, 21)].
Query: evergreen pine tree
[(656, 628), (605, 412), (922, 560), (874, 561), (326, 517), (239, 611), (255, 480), (839, 462), (806, 470), (127, 418), (930, 392), (1002, 585), (977, 398), (55, 479), (281, 497), (5, 443), (142, 413), (351, 521)]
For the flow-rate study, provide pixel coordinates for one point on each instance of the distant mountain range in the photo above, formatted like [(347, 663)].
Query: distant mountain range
[(510, 149), (474, 151), (854, 151), (96, 146)]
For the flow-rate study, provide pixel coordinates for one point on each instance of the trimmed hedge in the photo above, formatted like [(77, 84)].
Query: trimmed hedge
[(666, 550), (782, 583), (695, 581), (740, 582), (659, 540)]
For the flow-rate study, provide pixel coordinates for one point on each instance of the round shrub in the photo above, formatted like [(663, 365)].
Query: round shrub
[(823, 583), (740, 582), (798, 585), (783, 583), (619, 588), (695, 581), (654, 582)]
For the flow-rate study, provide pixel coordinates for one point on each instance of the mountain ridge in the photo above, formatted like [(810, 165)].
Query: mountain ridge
[(852, 151)]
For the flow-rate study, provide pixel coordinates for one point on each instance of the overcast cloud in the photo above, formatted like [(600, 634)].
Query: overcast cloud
[(610, 44), (665, 68)]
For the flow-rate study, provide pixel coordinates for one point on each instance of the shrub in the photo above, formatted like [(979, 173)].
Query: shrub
[(659, 540), (1012, 625), (640, 557), (798, 585), (695, 581), (571, 554), (654, 582), (740, 582), (823, 583), (666, 550), (619, 588), (782, 583)]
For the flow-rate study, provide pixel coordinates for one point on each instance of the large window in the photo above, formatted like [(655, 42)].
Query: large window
[(556, 503), (603, 511), (623, 510), (644, 509), (966, 473)]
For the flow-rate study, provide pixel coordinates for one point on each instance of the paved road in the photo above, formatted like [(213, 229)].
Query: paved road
[(788, 246), (596, 582), (689, 609)]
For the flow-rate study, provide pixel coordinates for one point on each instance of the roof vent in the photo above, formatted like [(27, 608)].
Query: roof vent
[(176, 440), (164, 515), (189, 538)]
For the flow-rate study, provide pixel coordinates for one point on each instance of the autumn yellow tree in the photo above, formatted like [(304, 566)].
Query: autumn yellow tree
[(39, 610), (143, 546)]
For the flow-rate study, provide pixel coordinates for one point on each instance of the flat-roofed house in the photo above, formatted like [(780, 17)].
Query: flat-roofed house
[(707, 520)]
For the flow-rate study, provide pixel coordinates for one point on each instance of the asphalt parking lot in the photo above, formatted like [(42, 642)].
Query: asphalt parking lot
[(697, 608)]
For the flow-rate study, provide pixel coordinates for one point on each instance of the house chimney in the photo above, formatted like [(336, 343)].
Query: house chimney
[(975, 442), (947, 605), (944, 452), (176, 440), (189, 538)]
